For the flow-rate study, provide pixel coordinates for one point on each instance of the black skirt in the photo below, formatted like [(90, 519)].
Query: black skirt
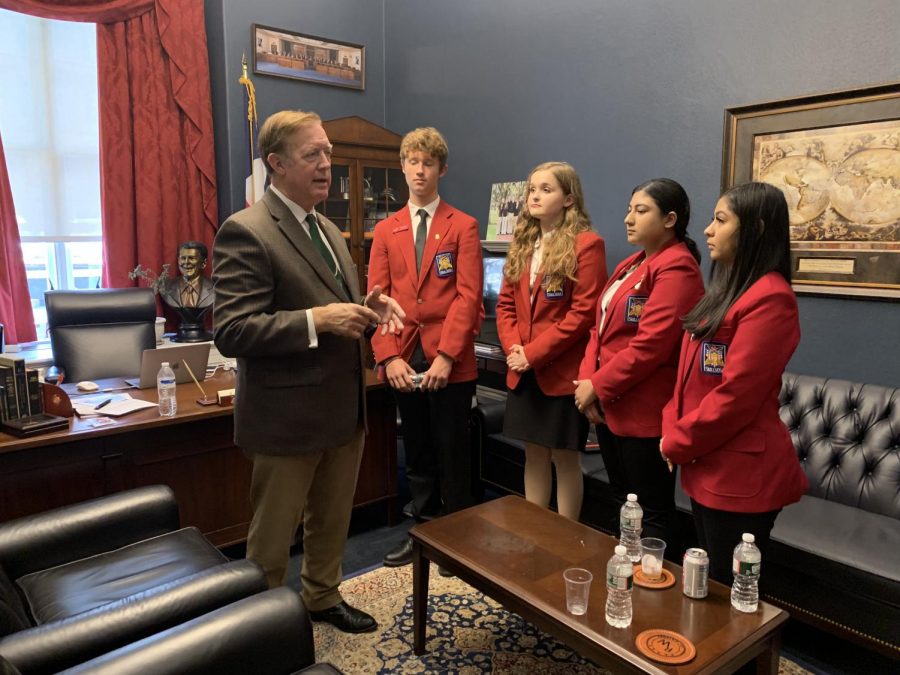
[(551, 421)]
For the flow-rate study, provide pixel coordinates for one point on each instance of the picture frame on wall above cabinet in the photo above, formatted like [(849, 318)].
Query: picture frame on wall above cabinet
[(836, 157), (298, 56)]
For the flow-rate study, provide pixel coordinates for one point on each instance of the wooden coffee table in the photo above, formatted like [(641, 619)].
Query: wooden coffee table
[(515, 552)]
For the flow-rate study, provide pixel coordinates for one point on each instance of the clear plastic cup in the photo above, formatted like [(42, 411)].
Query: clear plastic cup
[(578, 589), (652, 551)]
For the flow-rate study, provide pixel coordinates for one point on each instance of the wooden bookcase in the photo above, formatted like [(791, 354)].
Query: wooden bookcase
[(366, 184)]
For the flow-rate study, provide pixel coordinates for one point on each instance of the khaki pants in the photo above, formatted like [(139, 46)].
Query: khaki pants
[(317, 489)]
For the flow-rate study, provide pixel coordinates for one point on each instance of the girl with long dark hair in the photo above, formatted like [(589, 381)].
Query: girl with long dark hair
[(738, 464), (628, 371)]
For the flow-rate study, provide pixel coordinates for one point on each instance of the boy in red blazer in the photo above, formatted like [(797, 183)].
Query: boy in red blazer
[(429, 255)]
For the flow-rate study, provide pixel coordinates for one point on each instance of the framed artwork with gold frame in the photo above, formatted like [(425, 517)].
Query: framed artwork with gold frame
[(836, 157)]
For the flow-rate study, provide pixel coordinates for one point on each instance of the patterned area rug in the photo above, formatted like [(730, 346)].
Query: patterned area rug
[(468, 633)]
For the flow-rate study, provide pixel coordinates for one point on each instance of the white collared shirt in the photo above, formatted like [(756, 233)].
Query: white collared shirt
[(414, 215), (300, 214)]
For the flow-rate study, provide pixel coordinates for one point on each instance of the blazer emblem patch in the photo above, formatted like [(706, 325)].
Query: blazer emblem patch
[(443, 264), (634, 308), (554, 289), (712, 357)]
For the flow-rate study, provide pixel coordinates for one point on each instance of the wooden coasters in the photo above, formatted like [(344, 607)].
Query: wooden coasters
[(667, 580), (665, 646)]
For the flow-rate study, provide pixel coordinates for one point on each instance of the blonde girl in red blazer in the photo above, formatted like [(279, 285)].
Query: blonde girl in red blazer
[(554, 271), (738, 464), (628, 370)]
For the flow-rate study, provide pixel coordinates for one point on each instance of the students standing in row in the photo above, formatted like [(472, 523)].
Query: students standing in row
[(738, 463), (554, 270), (628, 371)]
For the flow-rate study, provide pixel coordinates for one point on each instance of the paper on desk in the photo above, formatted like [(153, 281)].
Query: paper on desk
[(119, 404)]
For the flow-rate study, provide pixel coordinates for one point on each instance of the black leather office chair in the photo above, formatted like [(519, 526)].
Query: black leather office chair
[(99, 333), (267, 634), (83, 580)]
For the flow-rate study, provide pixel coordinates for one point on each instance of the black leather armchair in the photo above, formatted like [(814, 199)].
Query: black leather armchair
[(100, 333), (267, 634), (82, 580)]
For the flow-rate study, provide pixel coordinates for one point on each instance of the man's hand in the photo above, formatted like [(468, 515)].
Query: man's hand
[(346, 319), (436, 377), (390, 313), (399, 375), (516, 360)]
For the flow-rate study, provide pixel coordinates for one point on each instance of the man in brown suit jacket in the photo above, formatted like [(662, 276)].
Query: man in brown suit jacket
[(289, 308)]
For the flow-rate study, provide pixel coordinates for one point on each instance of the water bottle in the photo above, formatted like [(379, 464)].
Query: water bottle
[(745, 565), (165, 388), (630, 518), (619, 571)]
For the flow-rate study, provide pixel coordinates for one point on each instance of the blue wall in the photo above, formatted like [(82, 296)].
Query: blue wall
[(623, 89)]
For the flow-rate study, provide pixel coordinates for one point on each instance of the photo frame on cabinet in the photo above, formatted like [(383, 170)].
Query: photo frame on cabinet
[(284, 53), (507, 201), (836, 157)]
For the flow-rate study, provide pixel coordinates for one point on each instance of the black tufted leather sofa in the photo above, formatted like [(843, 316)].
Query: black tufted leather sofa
[(834, 559), (82, 580)]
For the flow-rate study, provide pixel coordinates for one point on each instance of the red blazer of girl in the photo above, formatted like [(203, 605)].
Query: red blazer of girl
[(552, 323), (631, 361), (722, 424)]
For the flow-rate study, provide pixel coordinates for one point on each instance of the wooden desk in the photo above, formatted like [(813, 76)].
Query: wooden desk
[(516, 552), (193, 453)]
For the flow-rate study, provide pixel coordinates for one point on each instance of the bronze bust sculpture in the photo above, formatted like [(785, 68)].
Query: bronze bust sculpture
[(191, 294)]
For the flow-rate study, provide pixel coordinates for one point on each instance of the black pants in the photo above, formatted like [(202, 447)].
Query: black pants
[(436, 440), (635, 465), (720, 531)]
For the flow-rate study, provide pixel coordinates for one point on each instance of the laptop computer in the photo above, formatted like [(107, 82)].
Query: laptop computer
[(196, 356)]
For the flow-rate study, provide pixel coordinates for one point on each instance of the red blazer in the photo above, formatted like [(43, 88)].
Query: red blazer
[(722, 424), (632, 361), (553, 330), (443, 301)]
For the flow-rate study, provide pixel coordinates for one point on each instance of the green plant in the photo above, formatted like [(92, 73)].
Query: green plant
[(155, 281)]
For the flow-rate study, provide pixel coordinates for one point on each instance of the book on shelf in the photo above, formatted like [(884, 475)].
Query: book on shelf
[(35, 396), (9, 401), (17, 364)]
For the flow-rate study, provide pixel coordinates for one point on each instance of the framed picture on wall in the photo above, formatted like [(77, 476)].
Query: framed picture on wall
[(284, 53), (836, 157)]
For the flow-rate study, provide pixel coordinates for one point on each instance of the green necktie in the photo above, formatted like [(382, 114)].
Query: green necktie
[(316, 235)]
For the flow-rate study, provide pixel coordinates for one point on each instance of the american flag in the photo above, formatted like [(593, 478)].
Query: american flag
[(255, 183)]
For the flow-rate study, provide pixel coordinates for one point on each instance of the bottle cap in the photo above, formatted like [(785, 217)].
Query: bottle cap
[(164, 364), (621, 550), (749, 538), (632, 497)]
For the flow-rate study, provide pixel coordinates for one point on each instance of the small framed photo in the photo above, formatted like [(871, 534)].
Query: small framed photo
[(836, 158), (507, 200), (284, 53)]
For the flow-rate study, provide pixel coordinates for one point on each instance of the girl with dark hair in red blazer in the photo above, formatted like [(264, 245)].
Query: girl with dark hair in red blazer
[(554, 271), (738, 464), (628, 370)]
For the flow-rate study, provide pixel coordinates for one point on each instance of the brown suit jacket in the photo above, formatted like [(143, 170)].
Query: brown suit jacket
[(290, 399)]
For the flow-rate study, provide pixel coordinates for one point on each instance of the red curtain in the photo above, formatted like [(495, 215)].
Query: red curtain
[(15, 304), (157, 158)]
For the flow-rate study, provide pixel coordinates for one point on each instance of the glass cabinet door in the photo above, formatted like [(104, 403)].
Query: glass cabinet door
[(337, 207)]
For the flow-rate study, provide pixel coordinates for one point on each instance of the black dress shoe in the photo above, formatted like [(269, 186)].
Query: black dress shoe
[(346, 618), (444, 572), (401, 555)]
